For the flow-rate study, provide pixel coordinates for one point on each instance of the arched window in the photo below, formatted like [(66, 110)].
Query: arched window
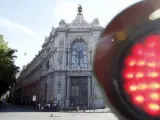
[(79, 57)]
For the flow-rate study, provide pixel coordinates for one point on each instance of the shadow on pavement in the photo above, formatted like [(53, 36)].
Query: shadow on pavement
[(6, 107)]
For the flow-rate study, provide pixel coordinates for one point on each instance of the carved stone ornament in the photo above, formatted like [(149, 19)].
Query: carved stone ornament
[(62, 23), (61, 43), (95, 22), (79, 21), (60, 55), (46, 38), (53, 30), (79, 9)]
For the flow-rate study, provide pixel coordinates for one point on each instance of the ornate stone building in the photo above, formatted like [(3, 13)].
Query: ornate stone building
[(62, 71)]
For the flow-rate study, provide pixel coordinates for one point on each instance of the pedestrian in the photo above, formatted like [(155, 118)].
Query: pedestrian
[(94, 107), (58, 107), (77, 108), (39, 106), (42, 108), (84, 108), (72, 107)]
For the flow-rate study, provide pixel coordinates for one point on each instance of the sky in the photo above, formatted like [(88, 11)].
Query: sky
[(25, 23)]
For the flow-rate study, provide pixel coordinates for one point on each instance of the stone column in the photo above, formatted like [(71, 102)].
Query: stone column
[(89, 91), (69, 58), (64, 52), (66, 57), (52, 88), (52, 62), (89, 59), (68, 92)]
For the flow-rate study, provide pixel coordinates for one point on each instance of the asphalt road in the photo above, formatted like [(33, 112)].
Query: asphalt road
[(56, 116), (12, 112)]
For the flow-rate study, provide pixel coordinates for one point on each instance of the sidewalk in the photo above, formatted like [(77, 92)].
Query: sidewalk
[(99, 110), (8, 107), (107, 110)]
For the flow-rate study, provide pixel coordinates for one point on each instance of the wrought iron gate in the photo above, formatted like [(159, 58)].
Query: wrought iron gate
[(79, 91)]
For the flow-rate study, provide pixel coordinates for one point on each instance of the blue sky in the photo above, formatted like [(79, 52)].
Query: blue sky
[(25, 23)]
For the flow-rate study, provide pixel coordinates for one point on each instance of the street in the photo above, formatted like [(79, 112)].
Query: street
[(12, 112), (56, 116)]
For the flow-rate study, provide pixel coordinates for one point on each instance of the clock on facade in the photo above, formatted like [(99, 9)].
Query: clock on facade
[(79, 54)]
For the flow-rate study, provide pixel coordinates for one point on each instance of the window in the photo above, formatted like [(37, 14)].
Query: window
[(79, 56), (91, 58), (66, 58), (47, 64)]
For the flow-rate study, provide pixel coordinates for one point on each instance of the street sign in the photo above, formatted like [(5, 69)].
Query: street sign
[(34, 98), (58, 97)]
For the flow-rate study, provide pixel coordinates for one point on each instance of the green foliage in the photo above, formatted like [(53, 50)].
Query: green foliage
[(8, 69), (3, 44)]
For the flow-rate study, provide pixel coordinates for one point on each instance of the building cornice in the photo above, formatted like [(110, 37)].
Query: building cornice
[(43, 60)]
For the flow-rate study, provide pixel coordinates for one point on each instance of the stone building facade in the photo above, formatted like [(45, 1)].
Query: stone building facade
[(62, 71)]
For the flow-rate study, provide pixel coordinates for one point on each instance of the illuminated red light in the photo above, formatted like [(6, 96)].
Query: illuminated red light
[(149, 52), (138, 99), (138, 50), (130, 61), (129, 73), (152, 108), (152, 64), (141, 75), (141, 62), (151, 41), (155, 96), (130, 87)]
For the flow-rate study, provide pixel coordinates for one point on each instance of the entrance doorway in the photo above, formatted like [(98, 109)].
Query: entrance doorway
[(79, 91)]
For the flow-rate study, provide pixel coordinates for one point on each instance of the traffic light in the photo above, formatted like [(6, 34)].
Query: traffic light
[(127, 62)]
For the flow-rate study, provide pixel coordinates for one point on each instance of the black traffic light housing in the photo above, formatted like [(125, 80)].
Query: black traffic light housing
[(109, 76), (137, 34)]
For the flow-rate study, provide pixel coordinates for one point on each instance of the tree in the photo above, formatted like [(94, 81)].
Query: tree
[(8, 69)]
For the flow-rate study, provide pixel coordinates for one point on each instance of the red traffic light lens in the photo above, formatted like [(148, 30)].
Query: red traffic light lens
[(141, 75)]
